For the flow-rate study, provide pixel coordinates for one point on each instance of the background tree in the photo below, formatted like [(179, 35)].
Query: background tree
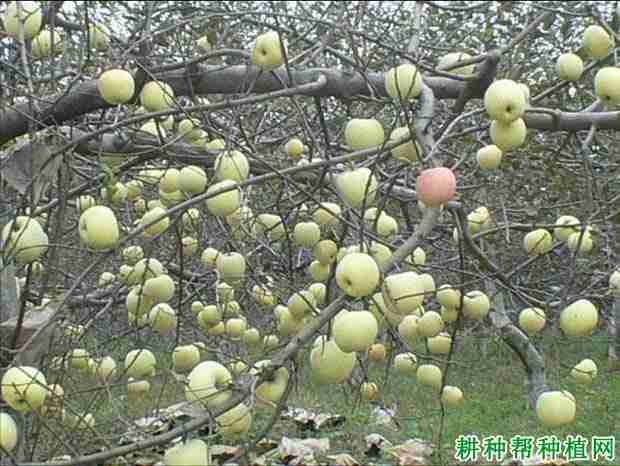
[(279, 97)]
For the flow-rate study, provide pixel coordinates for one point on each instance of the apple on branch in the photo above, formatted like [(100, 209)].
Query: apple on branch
[(25, 239), (116, 86), (267, 53), (504, 101), (42, 44), (436, 186), (27, 12)]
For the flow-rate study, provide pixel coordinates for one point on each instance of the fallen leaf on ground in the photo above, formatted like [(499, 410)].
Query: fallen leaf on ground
[(343, 460), (297, 451)]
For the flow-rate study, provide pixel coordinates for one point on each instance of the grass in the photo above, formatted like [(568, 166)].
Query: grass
[(493, 386)]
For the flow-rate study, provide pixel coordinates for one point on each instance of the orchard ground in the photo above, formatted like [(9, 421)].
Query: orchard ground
[(495, 402)]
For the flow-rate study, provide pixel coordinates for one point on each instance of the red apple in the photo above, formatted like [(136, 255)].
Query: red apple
[(436, 186)]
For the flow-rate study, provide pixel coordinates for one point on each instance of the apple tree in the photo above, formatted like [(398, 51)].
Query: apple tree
[(209, 196)]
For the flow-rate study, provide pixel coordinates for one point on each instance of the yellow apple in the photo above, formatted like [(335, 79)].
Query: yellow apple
[(357, 187), (209, 316), (569, 67), (267, 53), (85, 202), (208, 383), (209, 257), (189, 246), (226, 202), (358, 275), (451, 396), (325, 251), (26, 12), (403, 82), (430, 324), (605, 85), (504, 101), (376, 353), (224, 292), (192, 452), (565, 226), (24, 388), (162, 318), (140, 363), (251, 337), (489, 157), (294, 148), (134, 189), (116, 86), (137, 389), (408, 329), (235, 328), (42, 44), (307, 234), (355, 331), (160, 219), (429, 374), (78, 359), (319, 290), (192, 180), (98, 228), (597, 42), (230, 267), (216, 144), (235, 421), (387, 225), (454, 58), (440, 344), (8, 432), (508, 136), (145, 269), (327, 214), (160, 289), (329, 364), (363, 133), (448, 296), (273, 388), (24, 239), (271, 225), (319, 272), (185, 357), (157, 96), (476, 305), (555, 408), (532, 320), (169, 182), (405, 363), (189, 128), (232, 165), (580, 243), (579, 318), (408, 152), (301, 304), (538, 242), (403, 292), (585, 371)]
